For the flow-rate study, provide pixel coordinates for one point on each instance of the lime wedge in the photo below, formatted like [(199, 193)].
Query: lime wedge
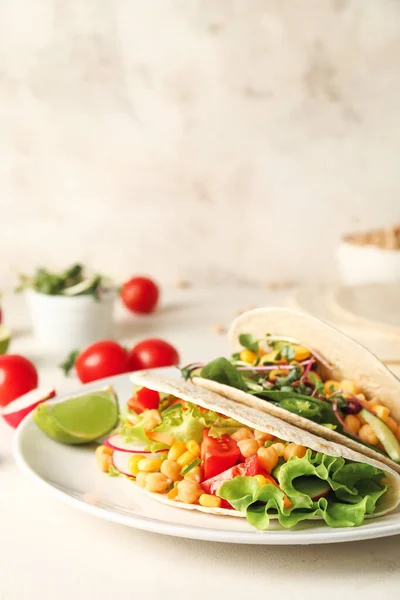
[(5, 338), (80, 419)]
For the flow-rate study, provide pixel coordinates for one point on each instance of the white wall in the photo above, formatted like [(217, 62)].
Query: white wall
[(215, 140)]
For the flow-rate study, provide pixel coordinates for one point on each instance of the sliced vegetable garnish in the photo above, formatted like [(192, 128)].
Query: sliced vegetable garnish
[(190, 466), (384, 434), (305, 408)]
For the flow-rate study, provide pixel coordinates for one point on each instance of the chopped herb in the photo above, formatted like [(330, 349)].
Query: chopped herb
[(190, 466), (113, 472)]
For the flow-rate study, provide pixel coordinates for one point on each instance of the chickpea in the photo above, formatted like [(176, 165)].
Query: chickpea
[(248, 447), (262, 437), (103, 458), (348, 386), (193, 475), (368, 435), (352, 423), (279, 448), (268, 458), (151, 418), (141, 479), (156, 482), (171, 469), (189, 491), (293, 449), (244, 433)]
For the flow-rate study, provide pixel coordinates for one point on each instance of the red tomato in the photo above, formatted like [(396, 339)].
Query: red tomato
[(144, 399), (218, 454), (140, 295), (152, 353), (102, 359), (18, 376)]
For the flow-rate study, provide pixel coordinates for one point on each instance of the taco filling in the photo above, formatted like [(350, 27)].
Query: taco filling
[(296, 379), (190, 455)]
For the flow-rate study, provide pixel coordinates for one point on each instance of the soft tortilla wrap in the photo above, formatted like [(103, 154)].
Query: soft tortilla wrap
[(348, 358), (260, 420)]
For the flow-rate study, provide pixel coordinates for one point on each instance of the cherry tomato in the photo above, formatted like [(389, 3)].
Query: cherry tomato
[(152, 353), (218, 454), (18, 376), (144, 399), (140, 295), (102, 359)]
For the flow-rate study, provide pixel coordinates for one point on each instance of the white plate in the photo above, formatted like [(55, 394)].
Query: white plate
[(70, 474)]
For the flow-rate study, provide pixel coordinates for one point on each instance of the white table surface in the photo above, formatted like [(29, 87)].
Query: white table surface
[(51, 551)]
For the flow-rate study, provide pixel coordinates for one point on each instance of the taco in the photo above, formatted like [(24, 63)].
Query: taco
[(298, 368), (194, 449)]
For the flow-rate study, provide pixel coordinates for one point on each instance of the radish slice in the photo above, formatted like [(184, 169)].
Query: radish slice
[(17, 410), (117, 443), (120, 459)]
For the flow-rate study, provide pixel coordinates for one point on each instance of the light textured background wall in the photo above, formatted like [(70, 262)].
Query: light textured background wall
[(219, 139)]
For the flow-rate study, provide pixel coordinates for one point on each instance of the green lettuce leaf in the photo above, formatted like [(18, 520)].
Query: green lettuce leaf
[(187, 424), (135, 433), (355, 491)]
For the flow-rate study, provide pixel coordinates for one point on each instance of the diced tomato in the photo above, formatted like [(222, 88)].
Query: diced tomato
[(144, 399), (218, 454)]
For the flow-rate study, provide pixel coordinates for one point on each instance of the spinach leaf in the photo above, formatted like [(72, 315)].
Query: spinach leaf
[(247, 341), (222, 371)]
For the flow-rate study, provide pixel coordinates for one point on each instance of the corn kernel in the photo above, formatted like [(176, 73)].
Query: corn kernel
[(248, 356), (261, 480), (133, 463), (300, 353), (381, 411), (193, 447), (209, 501), (186, 458), (176, 450), (172, 494), (348, 386), (149, 464)]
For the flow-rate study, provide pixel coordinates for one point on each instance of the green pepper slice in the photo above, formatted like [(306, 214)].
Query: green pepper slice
[(304, 408)]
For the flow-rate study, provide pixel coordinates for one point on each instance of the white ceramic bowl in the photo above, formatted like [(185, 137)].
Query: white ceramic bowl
[(62, 324), (367, 264)]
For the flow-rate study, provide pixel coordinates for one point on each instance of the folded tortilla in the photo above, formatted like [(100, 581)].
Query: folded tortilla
[(348, 359), (254, 418)]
